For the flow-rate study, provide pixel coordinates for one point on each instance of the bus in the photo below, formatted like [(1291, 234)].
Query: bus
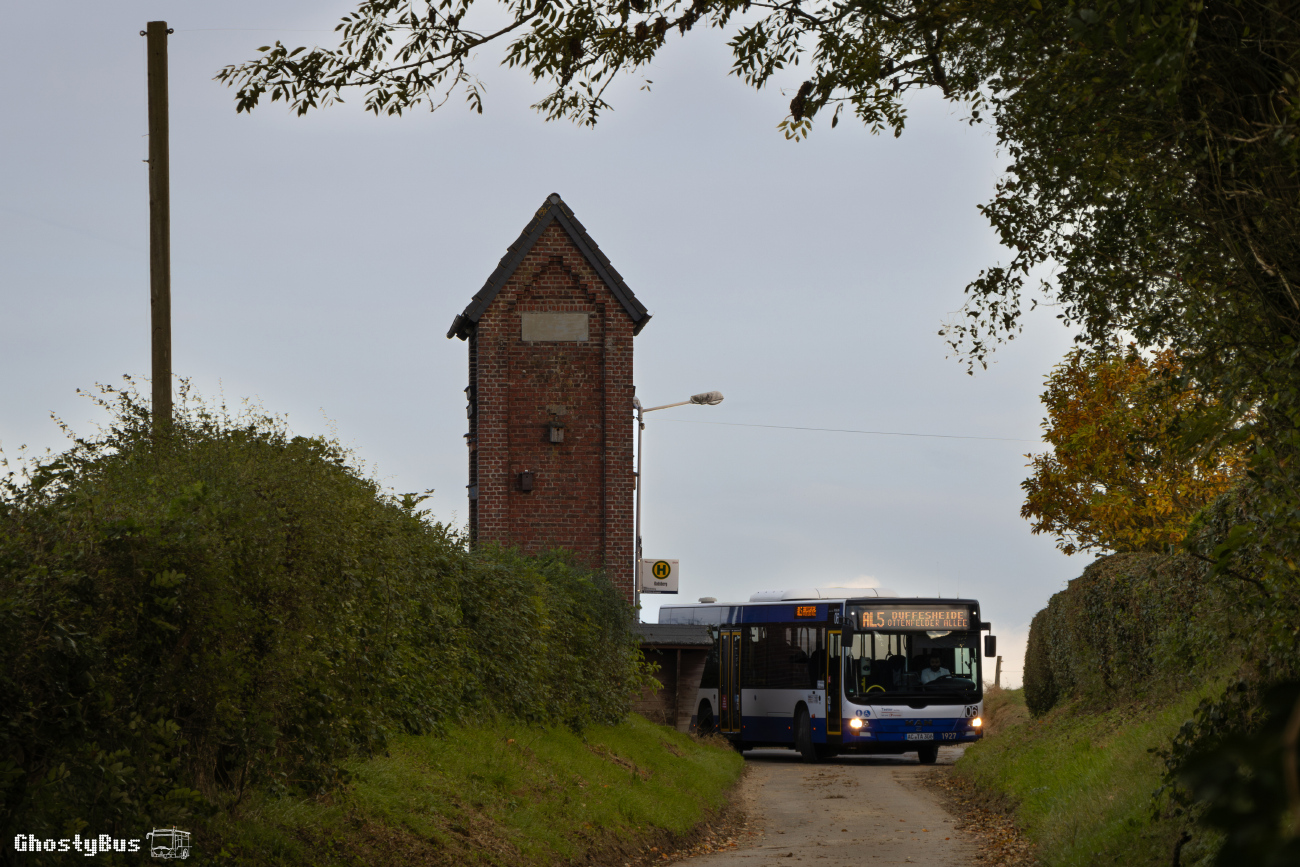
[(825, 672)]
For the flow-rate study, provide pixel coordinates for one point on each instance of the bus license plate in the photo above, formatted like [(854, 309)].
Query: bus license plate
[(920, 736)]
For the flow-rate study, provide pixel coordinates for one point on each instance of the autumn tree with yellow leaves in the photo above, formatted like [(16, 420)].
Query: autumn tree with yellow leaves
[(1125, 472)]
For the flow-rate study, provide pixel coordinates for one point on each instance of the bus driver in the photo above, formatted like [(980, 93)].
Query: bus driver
[(935, 671)]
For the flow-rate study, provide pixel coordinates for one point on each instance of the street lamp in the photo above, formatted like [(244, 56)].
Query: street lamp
[(708, 398)]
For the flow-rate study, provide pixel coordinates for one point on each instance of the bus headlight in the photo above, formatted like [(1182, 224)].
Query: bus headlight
[(855, 724), (976, 723)]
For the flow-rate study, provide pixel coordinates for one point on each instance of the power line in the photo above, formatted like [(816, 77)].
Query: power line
[(244, 30), (882, 433)]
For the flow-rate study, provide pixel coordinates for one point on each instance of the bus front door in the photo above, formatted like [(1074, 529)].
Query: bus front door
[(729, 683), (834, 675)]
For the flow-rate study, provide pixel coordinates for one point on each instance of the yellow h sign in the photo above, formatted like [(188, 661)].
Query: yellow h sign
[(658, 576)]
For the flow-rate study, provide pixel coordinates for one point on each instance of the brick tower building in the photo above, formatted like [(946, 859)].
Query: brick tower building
[(550, 398)]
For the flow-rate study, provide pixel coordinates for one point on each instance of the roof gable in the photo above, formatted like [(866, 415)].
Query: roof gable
[(553, 210)]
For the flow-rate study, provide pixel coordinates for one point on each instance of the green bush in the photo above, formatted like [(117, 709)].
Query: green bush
[(1129, 623), (1039, 684), (232, 606)]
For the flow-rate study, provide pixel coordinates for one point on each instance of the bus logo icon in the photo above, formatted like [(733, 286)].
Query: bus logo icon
[(661, 570), (169, 843)]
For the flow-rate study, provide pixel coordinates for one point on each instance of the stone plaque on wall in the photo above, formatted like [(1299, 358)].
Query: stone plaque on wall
[(563, 327)]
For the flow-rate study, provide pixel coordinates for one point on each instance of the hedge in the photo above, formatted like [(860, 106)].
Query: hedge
[(232, 606), (1130, 622)]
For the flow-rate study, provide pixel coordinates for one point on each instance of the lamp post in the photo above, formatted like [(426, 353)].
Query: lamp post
[(708, 398)]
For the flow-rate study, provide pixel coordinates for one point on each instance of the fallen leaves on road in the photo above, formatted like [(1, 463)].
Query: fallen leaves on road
[(987, 817), (728, 830)]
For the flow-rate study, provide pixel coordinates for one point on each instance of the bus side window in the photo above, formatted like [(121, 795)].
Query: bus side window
[(817, 669), (754, 659), (709, 679), (812, 641), (783, 659)]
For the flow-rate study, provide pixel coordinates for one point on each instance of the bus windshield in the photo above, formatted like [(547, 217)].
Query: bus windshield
[(883, 664)]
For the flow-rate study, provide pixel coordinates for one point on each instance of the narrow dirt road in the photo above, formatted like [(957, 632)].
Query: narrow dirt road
[(846, 812)]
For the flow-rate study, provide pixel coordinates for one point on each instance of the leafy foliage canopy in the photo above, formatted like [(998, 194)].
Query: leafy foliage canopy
[(1119, 477)]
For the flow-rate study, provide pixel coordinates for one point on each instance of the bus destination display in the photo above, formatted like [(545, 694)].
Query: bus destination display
[(914, 617)]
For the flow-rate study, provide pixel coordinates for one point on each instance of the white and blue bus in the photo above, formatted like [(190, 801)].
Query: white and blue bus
[(826, 672)]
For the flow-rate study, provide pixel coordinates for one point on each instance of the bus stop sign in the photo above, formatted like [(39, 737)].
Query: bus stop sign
[(658, 576)]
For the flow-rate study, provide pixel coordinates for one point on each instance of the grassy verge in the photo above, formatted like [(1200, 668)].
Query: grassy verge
[(1003, 709), (1082, 777), (494, 795)]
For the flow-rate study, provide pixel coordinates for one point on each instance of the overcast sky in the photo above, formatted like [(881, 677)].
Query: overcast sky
[(318, 262)]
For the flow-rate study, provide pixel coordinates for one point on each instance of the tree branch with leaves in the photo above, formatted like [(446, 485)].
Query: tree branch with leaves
[(1129, 467), (400, 54)]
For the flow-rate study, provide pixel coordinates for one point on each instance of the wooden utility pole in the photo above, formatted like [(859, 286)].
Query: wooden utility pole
[(160, 232), (997, 674)]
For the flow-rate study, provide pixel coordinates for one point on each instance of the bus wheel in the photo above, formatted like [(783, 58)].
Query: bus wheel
[(704, 720), (803, 741), (928, 753)]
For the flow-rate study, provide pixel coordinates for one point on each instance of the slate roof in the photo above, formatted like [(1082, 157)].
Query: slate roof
[(553, 210), (673, 635)]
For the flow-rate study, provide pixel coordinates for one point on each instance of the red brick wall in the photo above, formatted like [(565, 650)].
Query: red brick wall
[(583, 488), (678, 676), (660, 705)]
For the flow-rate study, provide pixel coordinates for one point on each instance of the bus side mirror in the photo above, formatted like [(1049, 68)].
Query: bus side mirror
[(990, 646)]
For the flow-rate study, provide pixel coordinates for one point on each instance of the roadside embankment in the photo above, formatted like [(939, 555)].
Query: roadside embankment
[(500, 794), (1081, 779), (1116, 665)]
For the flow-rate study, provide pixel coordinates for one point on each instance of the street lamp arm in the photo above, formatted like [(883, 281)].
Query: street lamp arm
[(665, 406), (707, 398)]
